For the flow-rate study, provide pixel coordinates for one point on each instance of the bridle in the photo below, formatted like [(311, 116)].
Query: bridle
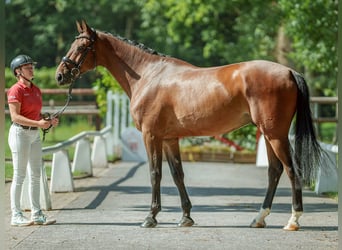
[(75, 74), (75, 71)]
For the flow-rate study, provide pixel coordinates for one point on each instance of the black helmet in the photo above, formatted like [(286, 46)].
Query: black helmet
[(20, 61)]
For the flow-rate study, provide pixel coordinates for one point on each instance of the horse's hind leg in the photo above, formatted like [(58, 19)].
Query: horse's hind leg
[(172, 154), (281, 149), (275, 170)]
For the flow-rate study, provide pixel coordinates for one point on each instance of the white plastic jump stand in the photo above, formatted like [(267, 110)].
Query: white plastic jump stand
[(327, 175), (45, 199), (82, 157), (261, 157), (99, 153), (61, 176), (133, 148)]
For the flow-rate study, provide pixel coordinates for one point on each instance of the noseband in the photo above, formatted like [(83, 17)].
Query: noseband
[(75, 70)]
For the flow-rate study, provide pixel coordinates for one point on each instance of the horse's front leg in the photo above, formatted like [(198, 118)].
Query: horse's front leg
[(171, 150), (154, 152)]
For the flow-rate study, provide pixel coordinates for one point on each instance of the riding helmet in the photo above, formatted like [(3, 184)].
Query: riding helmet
[(19, 61)]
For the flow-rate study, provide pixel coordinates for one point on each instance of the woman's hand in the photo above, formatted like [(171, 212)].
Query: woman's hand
[(54, 121), (44, 124)]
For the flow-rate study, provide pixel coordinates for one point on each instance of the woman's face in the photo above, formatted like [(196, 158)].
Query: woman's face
[(27, 71)]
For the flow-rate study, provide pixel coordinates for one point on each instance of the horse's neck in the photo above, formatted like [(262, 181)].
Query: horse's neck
[(124, 61)]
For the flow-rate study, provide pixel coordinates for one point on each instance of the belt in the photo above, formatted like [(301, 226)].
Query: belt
[(25, 127)]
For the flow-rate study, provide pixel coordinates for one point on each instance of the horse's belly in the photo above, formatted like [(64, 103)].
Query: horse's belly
[(208, 126)]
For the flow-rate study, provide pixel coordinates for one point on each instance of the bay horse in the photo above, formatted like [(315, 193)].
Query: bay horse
[(171, 99)]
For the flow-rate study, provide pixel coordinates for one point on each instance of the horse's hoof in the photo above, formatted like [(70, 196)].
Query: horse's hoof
[(186, 221), (292, 227), (149, 223), (258, 224)]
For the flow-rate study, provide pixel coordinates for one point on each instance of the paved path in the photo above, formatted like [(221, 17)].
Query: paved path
[(106, 211)]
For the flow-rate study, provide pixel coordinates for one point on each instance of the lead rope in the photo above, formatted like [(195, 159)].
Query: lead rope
[(48, 117)]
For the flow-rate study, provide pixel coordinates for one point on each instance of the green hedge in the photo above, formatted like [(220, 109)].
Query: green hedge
[(45, 78)]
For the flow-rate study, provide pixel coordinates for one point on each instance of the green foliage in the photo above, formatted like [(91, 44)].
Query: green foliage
[(303, 20), (45, 77), (45, 29), (9, 78), (215, 32), (313, 28), (327, 132), (245, 137), (102, 85)]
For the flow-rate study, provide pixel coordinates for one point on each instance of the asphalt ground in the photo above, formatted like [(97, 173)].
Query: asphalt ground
[(106, 210)]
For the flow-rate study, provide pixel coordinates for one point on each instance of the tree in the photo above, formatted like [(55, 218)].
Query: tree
[(43, 29), (312, 27), (215, 32)]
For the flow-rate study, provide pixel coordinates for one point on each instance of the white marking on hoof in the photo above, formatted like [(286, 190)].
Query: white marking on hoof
[(292, 224), (256, 224), (291, 227), (259, 221)]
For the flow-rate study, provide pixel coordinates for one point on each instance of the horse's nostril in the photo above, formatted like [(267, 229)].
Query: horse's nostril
[(59, 77)]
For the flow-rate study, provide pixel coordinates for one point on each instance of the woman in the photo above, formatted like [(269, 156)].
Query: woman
[(25, 104)]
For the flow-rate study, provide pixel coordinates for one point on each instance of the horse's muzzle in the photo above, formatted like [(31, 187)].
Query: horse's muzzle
[(63, 79), (59, 78)]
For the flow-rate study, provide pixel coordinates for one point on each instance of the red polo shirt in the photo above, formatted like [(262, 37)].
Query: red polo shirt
[(30, 99)]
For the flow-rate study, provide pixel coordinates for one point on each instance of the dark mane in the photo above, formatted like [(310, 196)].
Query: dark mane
[(137, 44)]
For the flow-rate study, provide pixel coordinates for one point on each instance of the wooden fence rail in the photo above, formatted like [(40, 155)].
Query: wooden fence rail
[(316, 101)]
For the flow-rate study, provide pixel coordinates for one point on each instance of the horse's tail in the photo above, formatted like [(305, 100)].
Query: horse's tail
[(307, 151)]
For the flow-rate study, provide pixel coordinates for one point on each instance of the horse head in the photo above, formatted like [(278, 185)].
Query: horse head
[(78, 60)]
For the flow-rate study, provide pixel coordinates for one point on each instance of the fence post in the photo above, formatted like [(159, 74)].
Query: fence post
[(124, 113), (109, 113), (99, 153), (82, 157), (61, 177), (116, 120), (118, 117), (109, 144)]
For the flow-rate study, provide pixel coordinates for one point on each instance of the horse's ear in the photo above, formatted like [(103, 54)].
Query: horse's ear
[(85, 26), (79, 27), (82, 26)]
